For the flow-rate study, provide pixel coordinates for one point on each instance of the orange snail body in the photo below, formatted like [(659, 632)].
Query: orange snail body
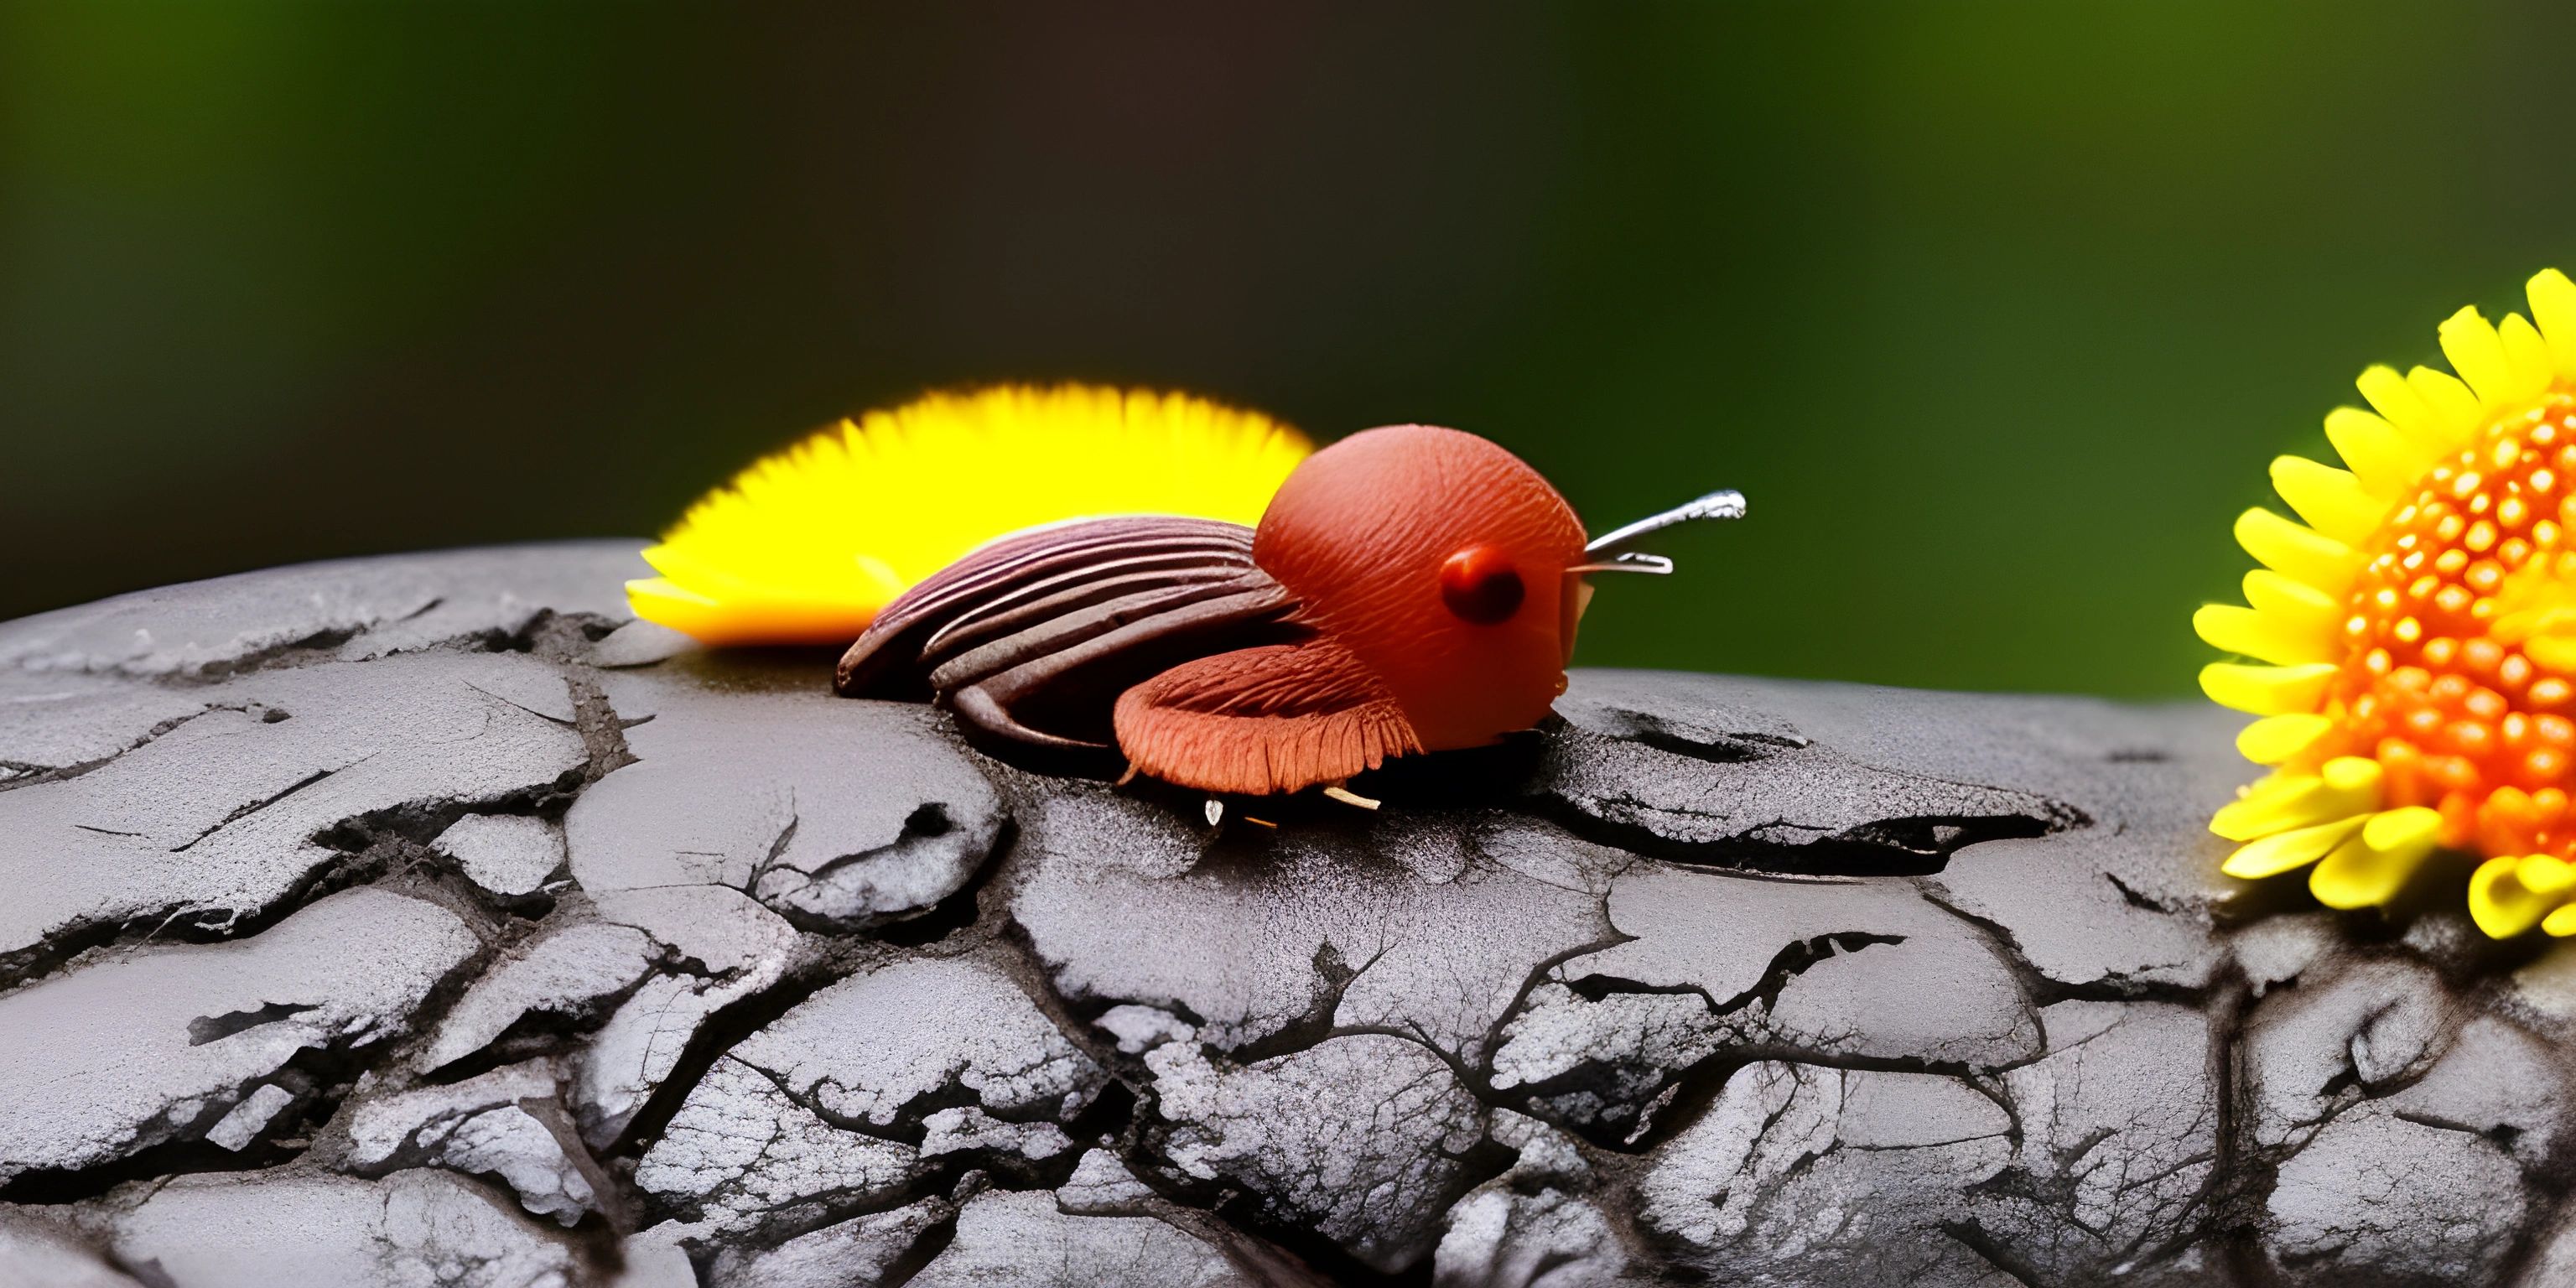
[(1429, 565)]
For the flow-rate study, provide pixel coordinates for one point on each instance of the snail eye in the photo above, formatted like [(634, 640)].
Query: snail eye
[(1480, 585)]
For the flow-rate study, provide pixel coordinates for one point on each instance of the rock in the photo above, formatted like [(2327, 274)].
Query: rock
[(1293, 930), (1363, 1138), (1101, 1185), (2377, 1195), (1007, 1238), (1527, 1228), (862, 1250), (347, 608), (828, 1106), (761, 794), (212, 822), (2118, 1145), (506, 854), (425, 920), (570, 968), (259, 1231), (1501, 1239), (508, 1124), (162, 1044), (744, 1152), (43, 1254), (1807, 1175), (1694, 766)]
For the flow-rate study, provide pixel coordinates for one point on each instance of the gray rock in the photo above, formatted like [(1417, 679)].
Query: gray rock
[(568, 969), (509, 1124), (1101, 1185), (865, 1249), (1299, 929), (260, 1231), (1529, 1227), (2376, 1195), (1696, 766), (236, 1130), (761, 793), (217, 819), (829, 1105), (161, 1044), (746, 1152), (349, 608), (1807, 1175), (2315, 1051), (1362, 1138), (2118, 1145), (507, 854), (1714, 980), (44, 1254), (1021, 1239), (55, 723)]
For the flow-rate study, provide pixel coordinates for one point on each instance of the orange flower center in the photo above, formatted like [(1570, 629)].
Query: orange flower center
[(2461, 640)]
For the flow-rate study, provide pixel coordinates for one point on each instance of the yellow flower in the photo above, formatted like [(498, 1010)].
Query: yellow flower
[(807, 544), (2413, 642)]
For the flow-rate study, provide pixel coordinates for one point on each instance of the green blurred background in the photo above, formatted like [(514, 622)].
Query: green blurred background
[(1995, 310)]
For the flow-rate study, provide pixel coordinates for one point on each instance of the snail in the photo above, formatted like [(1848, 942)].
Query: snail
[(1407, 589)]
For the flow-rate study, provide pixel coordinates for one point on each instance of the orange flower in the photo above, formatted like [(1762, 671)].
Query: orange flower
[(2414, 641)]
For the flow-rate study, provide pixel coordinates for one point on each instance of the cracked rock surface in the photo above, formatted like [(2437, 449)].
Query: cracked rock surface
[(424, 921)]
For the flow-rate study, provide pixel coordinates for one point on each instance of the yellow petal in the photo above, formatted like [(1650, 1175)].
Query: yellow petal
[(2293, 601), (2554, 653), (2274, 739), (2527, 356), (2331, 500), (2298, 551), (2508, 896), (2286, 641), (2477, 354), (2267, 690), (2348, 787), (2412, 827), (2372, 867), (2279, 853), (2561, 923), (805, 545), (2398, 403), (2387, 463), (2553, 305), (2279, 803), (2454, 407)]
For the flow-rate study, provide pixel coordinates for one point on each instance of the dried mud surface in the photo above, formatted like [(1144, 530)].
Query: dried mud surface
[(424, 921)]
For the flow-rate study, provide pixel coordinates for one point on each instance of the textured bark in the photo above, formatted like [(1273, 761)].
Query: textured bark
[(424, 920)]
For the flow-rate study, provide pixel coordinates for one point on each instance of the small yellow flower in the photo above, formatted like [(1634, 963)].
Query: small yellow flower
[(2413, 642), (804, 546)]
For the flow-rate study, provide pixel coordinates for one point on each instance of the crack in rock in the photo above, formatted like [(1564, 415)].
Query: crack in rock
[(1711, 781), (221, 818), (122, 1064), (1367, 1138), (356, 609), (830, 1106)]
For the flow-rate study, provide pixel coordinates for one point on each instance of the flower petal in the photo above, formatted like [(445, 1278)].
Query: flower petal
[(2267, 690), (2331, 500), (2372, 867), (2279, 853), (2274, 739), (2508, 896), (2553, 305), (2296, 550), (2477, 354)]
